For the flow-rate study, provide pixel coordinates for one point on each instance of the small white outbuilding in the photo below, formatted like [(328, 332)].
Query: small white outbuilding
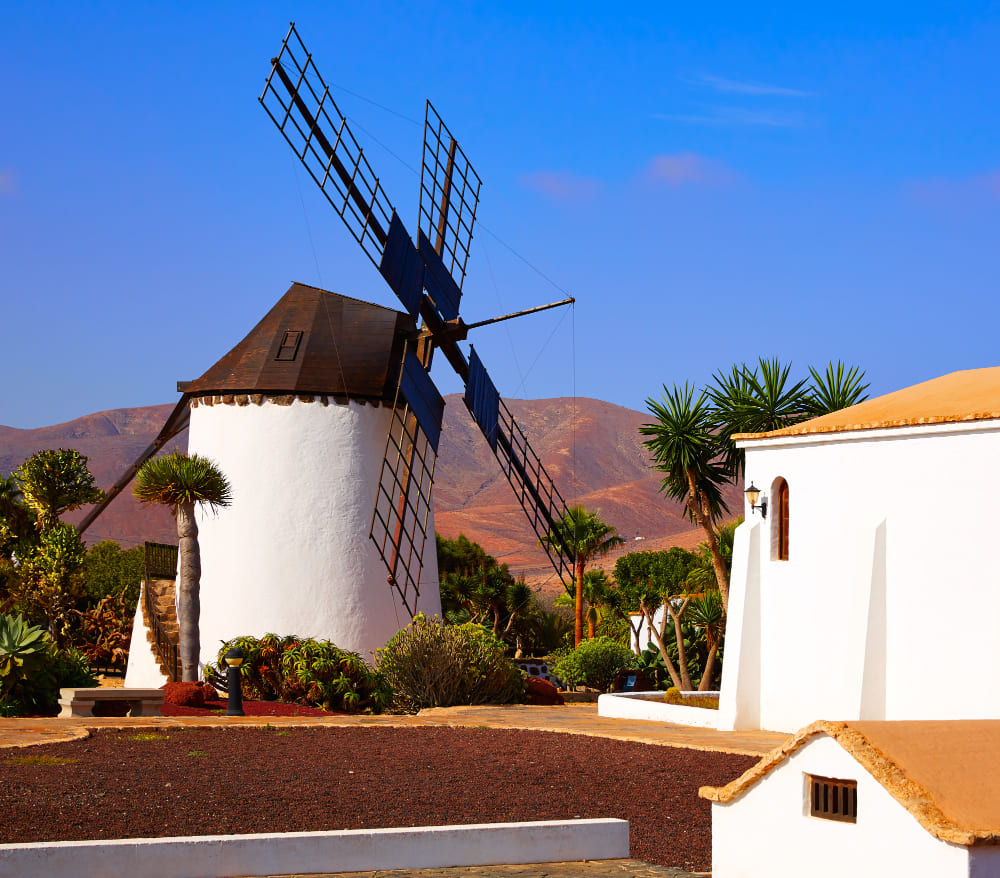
[(870, 591), (916, 799)]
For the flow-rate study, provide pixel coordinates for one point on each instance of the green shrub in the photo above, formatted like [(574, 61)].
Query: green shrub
[(11, 707), (261, 670), (595, 663), (301, 670), (72, 669), (32, 669), (651, 663), (430, 664), (109, 571)]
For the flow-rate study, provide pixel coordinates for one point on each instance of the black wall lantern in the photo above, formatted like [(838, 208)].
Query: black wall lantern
[(752, 495)]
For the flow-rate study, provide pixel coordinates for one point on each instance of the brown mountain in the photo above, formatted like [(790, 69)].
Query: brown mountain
[(112, 440), (592, 449), (594, 453)]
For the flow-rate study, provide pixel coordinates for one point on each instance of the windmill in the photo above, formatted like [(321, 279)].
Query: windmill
[(325, 418), (427, 278)]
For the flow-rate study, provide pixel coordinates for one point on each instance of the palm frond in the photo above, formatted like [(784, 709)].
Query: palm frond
[(838, 388), (177, 479), (685, 448)]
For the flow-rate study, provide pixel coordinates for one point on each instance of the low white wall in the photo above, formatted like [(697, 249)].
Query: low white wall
[(359, 850), (739, 704), (631, 705), (769, 833)]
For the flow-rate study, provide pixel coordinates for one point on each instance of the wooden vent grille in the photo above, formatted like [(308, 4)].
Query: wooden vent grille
[(833, 799)]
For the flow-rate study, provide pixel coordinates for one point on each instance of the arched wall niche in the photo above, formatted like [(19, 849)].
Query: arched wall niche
[(778, 513)]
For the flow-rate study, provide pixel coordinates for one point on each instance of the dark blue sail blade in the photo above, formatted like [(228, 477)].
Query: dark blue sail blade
[(482, 399), (402, 266), (425, 402), (441, 286)]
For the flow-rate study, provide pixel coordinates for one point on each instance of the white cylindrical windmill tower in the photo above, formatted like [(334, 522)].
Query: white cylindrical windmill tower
[(296, 417)]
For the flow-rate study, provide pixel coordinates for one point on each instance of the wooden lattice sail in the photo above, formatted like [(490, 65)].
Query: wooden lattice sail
[(427, 277)]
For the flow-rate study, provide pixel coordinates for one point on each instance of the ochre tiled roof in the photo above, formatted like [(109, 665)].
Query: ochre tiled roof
[(944, 772), (971, 395)]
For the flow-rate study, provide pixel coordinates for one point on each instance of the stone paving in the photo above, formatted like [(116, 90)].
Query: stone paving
[(574, 719)]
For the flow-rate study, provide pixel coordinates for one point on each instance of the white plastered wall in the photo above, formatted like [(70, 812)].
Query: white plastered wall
[(768, 832), (891, 543), (292, 554), (142, 670)]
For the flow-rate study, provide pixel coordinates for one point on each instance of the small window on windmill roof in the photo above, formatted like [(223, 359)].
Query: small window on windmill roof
[(288, 350)]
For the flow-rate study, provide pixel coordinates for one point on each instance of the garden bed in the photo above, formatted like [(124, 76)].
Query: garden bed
[(121, 784)]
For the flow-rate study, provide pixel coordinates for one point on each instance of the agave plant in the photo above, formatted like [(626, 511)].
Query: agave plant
[(19, 643)]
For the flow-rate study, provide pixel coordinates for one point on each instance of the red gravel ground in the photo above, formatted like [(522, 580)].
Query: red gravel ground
[(121, 784), (250, 708)]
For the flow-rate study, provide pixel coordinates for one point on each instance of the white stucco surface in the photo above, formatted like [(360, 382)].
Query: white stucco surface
[(769, 833), (142, 670), (292, 554), (632, 705), (887, 530), (312, 853)]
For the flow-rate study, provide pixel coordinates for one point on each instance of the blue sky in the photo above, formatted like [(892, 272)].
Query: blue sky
[(710, 181)]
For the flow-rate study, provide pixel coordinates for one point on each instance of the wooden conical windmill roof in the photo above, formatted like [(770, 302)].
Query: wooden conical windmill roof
[(315, 342)]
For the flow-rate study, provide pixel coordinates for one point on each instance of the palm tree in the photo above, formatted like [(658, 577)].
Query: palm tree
[(836, 389), (757, 400), (705, 612), (745, 401), (692, 439), (182, 481), (585, 537), (692, 458), (597, 595)]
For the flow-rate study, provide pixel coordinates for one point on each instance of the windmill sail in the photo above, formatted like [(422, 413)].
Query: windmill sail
[(427, 277), (300, 104), (449, 195), (536, 492), (402, 507)]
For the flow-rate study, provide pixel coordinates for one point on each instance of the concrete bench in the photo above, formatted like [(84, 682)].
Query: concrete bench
[(80, 702)]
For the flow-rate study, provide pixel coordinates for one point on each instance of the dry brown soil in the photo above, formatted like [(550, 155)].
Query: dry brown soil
[(131, 783)]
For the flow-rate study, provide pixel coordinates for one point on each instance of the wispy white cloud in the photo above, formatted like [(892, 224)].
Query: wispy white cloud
[(688, 168), (944, 190), (735, 116), (562, 185), (734, 86), (8, 183)]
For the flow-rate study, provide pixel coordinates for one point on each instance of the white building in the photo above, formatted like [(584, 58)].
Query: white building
[(871, 591), (296, 417), (865, 798)]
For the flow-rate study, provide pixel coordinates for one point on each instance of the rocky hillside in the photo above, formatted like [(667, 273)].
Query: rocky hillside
[(591, 448)]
